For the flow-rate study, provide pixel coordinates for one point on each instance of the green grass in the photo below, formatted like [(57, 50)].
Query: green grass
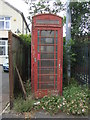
[(20, 105)]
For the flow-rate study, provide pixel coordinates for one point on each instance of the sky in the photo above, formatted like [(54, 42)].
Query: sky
[(23, 7), (20, 5)]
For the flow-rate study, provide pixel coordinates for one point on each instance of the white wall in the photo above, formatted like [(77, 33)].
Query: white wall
[(16, 19), (16, 23)]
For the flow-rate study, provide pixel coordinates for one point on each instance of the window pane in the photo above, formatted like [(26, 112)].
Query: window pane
[(1, 24), (2, 42), (46, 33), (1, 18), (45, 63), (48, 49), (47, 56), (47, 21), (47, 40), (7, 18), (47, 70), (2, 50), (7, 25)]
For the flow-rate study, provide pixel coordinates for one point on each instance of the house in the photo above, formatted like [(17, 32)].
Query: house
[(10, 19)]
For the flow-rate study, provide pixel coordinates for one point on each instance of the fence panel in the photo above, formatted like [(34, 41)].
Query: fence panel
[(81, 67), (19, 56)]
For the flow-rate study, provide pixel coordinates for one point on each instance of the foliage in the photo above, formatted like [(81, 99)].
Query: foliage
[(21, 105), (51, 104), (77, 100), (28, 87), (67, 50), (64, 20), (45, 6), (80, 18), (26, 38), (74, 101)]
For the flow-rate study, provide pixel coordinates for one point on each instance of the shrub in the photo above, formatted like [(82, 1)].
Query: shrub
[(26, 38), (51, 104), (74, 101), (77, 100), (21, 105)]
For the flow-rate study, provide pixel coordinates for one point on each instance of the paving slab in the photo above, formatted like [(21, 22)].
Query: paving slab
[(41, 115)]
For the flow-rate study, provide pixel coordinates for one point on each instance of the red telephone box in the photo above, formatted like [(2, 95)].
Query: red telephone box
[(47, 54)]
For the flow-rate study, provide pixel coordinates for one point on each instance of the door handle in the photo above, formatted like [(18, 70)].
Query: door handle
[(35, 60), (59, 66)]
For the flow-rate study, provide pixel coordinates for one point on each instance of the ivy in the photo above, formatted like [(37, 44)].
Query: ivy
[(26, 38)]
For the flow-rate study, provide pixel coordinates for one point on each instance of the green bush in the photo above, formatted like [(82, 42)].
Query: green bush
[(21, 105), (74, 101), (51, 103), (26, 38), (77, 100), (67, 52)]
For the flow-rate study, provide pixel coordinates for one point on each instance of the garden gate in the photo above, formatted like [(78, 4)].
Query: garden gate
[(47, 55)]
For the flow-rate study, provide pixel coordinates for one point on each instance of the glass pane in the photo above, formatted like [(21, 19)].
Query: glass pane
[(46, 33), (1, 18), (2, 25), (47, 86), (47, 70), (46, 63), (2, 50), (48, 49), (47, 40), (48, 78), (2, 42), (47, 56), (47, 21), (7, 25), (7, 18)]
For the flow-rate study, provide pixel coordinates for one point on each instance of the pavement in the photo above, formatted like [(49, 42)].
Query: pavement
[(4, 90), (0, 93), (42, 115)]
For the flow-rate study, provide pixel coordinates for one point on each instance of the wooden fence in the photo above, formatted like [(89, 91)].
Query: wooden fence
[(19, 64)]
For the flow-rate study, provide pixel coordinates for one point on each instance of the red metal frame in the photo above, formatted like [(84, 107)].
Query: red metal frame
[(35, 55)]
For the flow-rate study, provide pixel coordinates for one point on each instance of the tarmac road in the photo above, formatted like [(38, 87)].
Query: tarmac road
[(4, 87)]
